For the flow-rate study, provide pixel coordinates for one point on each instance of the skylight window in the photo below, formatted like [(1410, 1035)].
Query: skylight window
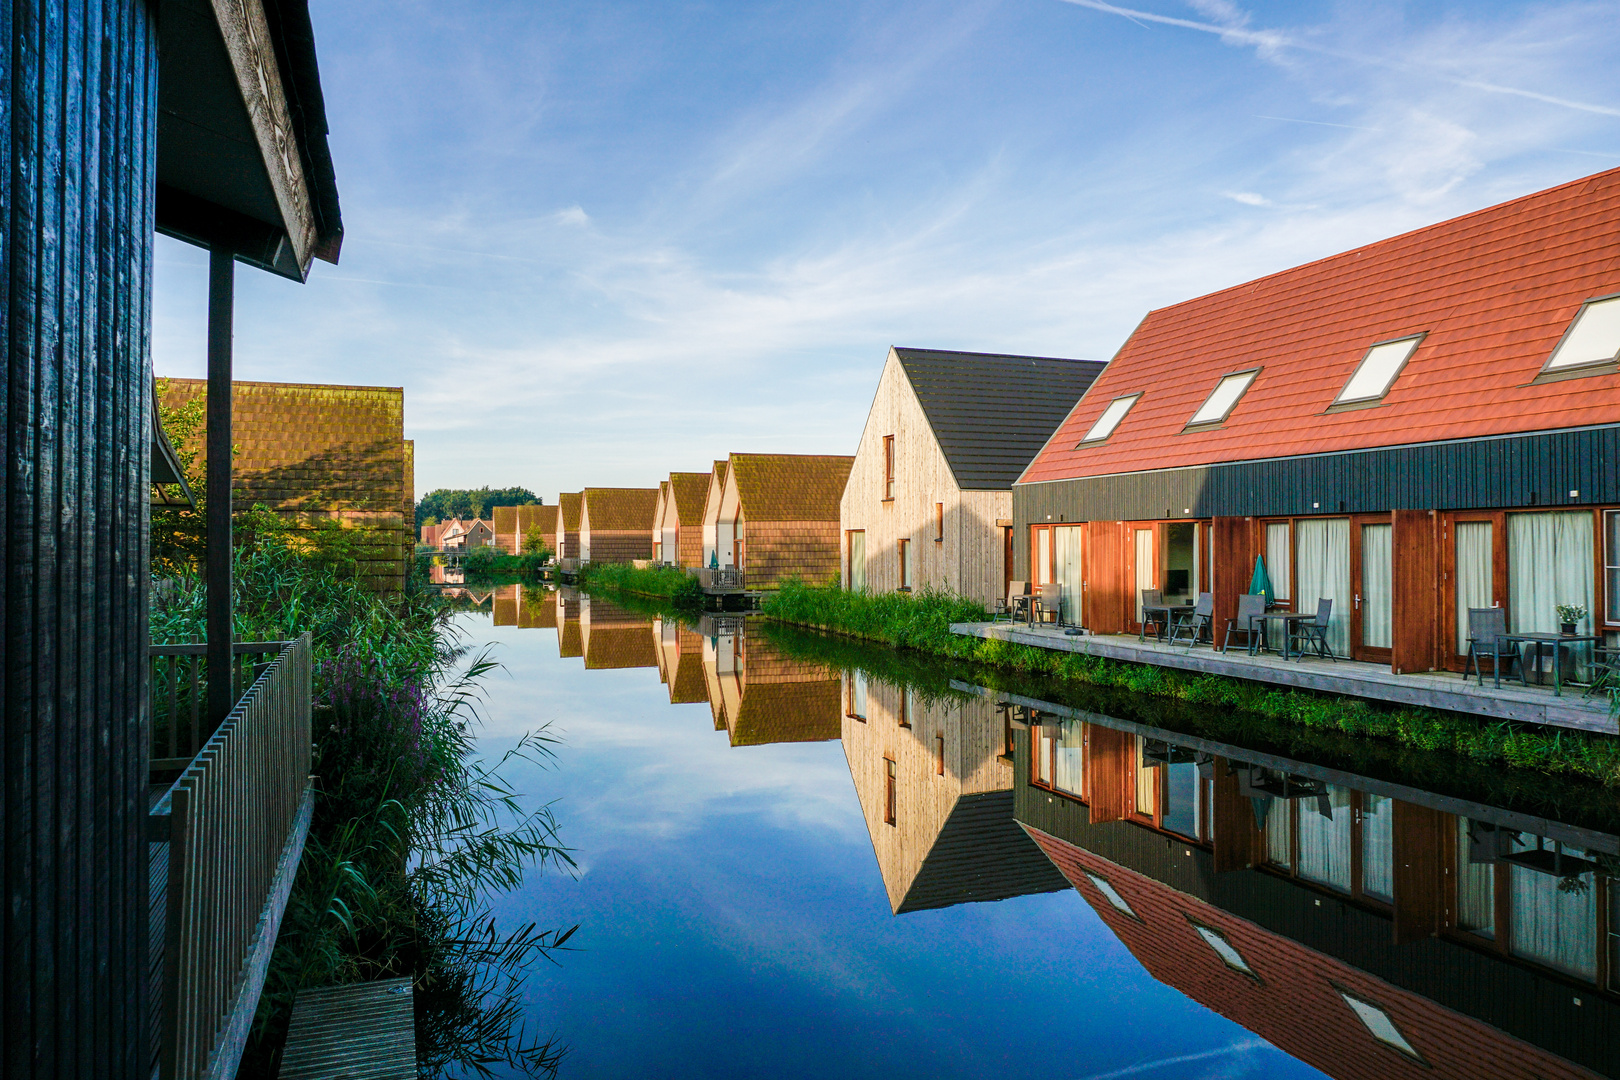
[(1224, 949), (1105, 887), (1221, 400), (1379, 1024), (1377, 371), (1593, 338), (1109, 420)]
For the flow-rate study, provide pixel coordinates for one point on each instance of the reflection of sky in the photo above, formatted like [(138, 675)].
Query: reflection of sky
[(734, 923)]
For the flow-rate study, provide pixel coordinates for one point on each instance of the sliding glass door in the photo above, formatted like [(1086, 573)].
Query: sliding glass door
[(1145, 574), (1322, 572), (1551, 565), (1373, 606), (1066, 554)]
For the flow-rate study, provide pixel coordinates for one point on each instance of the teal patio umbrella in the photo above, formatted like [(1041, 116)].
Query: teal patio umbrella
[(1260, 584)]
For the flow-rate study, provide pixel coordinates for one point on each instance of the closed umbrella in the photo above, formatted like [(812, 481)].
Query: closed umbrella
[(1260, 584)]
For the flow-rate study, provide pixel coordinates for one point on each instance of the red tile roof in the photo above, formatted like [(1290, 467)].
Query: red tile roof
[(1494, 290)]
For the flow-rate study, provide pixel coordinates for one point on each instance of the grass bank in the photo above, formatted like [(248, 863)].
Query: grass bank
[(412, 831), (922, 621), (660, 583)]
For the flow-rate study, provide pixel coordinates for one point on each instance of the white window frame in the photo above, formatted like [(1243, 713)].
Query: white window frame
[(1093, 437), (1248, 375), (1222, 947), (1363, 400), (1552, 369)]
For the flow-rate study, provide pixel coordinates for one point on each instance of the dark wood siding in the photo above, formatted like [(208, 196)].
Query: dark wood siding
[(1415, 589)]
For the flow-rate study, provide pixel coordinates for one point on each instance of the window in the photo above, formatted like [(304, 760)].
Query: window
[(888, 791), (1278, 561), (1611, 564), (1592, 340), (939, 754), (905, 708), (939, 523), (1224, 949), (888, 468), (1111, 894), (857, 560), (1109, 420), (905, 564), (1221, 401), (1379, 1024), (857, 696), (1376, 372)]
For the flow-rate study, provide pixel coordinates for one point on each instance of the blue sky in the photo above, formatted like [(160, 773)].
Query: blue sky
[(600, 241)]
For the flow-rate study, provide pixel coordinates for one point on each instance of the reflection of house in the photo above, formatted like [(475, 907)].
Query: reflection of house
[(511, 525), (569, 638), (1359, 932), (615, 524), (568, 525), (935, 786), (614, 637), (680, 662), (1411, 429), (758, 695), (929, 500), (525, 606), (317, 453), (777, 516), (678, 534)]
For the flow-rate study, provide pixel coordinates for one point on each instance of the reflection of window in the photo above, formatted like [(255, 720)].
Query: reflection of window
[(1110, 894), (1324, 838), (1379, 1024), (888, 791), (905, 708), (1224, 949), (1181, 791), (939, 755), (1071, 758), (1147, 787), (1553, 900), (1476, 877), (857, 696), (905, 564), (939, 521), (1377, 851)]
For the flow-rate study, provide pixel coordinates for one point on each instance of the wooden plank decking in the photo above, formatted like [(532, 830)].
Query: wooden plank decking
[(364, 1031), (1434, 689)]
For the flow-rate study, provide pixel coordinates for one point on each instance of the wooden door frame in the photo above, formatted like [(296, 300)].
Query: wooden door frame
[(1358, 651)]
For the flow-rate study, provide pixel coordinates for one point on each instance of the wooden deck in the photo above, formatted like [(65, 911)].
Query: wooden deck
[(1434, 689), (364, 1031)]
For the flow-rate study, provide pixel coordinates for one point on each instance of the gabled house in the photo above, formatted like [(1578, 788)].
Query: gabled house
[(1409, 430), (777, 516), (680, 662), (929, 499), (759, 695), (615, 637), (511, 525), (615, 524), (659, 509), (678, 535), (568, 525), (465, 535), (716, 550)]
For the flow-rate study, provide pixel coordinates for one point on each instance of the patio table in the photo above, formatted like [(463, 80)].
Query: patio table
[(1284, 617), (1169, 611), (1557, 641)]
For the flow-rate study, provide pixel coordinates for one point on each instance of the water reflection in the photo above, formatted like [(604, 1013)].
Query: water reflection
[(1351, 917)]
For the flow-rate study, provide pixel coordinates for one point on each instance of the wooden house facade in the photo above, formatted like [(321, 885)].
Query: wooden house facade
[(778, 513), (718, 548), (759, 695), (929, 498), (511, 525), (680, 662), (1419, 427), (1368, 933), (615, 524), (568, 525), (934, 777), (678, 535), (615, 637)]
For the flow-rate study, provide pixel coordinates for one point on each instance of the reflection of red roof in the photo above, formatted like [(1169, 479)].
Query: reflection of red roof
[(1494, 291), (1292, 1001)]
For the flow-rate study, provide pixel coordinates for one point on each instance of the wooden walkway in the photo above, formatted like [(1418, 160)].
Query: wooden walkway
[(364, 1031), (1435, 689)]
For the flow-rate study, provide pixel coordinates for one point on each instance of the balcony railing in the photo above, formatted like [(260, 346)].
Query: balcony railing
[(180, 695), (225, 843), (726, 578)]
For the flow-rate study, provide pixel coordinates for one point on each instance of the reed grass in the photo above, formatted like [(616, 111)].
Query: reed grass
[(658, 582)]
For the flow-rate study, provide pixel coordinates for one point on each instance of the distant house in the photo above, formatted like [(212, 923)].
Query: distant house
[(512, 524), (525, 606), (680, 525), (315, 453), (459, 535), (716, 550), (929, 500), (568, 525), (615, 524), (779, 513), (429, 535)]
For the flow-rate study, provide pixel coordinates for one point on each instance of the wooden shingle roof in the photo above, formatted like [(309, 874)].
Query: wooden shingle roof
[(621, 509), (689, 489), (790, 487), (568, 502), (1493, 291)]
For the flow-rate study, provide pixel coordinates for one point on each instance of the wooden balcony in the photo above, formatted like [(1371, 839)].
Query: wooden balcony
[(722, 581)]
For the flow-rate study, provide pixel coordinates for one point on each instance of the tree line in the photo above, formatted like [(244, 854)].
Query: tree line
[(448, 503)]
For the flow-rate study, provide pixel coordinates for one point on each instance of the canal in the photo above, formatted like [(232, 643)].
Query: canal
[(803, 857)]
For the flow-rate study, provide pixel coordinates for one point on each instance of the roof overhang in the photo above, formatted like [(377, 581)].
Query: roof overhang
[(242, 157)]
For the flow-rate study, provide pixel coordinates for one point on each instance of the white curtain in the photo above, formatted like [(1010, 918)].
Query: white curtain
[(1181, 798), (1377, 585), (1554, 925), (1068, 571), (1043, 557), (1279, 559), (1549, 563), (1071, 758), (1476, 888), (857, 561), (1474, 575), (1377, 851), (1324, 838), (860, 694), (1144, 566), (1322, 547), (1147, 788), (1279, 833)]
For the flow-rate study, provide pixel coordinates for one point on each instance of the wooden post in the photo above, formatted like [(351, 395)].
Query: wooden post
[(221, 286)]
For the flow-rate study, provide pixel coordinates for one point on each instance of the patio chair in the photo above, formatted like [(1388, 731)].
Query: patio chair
[(1486, 626), (1313, 634), (1605, 670), (1050, 602), (1007, 606), (1152, 598), (1194, 625), (1249, 605)]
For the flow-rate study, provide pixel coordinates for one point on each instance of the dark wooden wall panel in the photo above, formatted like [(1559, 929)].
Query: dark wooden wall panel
[(77, 160), (1237, 835), (1110, 762), (1422, 871), (1233, 566), (1416, 591), (1107, 606)]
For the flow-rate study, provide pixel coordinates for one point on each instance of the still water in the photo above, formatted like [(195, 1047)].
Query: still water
[(803, 858)]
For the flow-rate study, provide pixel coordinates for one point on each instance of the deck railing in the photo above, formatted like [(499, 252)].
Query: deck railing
[(231, 831), (725, 577), (180, 695)]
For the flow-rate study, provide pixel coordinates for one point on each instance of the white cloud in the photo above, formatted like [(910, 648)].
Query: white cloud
[(1247, 198), (573, 216)]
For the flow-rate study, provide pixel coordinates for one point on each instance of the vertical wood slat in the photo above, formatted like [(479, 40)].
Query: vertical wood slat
[(231, 814), (1415, 591)]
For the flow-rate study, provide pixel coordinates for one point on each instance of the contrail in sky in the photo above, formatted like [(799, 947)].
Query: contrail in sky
[(1273, 39), (1181, 1059)]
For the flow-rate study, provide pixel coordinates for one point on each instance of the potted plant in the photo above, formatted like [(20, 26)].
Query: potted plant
[(1568, 616)]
